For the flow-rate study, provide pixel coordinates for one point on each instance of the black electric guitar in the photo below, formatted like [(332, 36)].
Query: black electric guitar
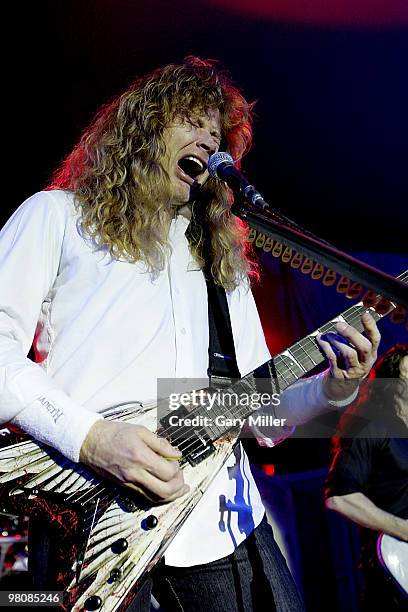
[(108, 539)]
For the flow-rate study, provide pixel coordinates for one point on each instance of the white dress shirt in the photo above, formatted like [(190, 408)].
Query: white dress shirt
[(104, 332)]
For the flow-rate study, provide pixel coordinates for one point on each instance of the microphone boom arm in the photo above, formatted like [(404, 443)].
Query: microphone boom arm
[(260, 216)]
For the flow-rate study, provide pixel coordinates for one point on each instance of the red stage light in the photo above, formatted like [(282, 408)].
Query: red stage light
[(354, 13), (268, 469)]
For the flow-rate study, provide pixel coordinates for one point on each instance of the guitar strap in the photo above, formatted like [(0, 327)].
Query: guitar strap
[(222, 360)]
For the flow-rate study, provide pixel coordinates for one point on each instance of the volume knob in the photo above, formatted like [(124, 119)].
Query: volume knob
[(119, 546), (115, 574), (93, 602), (151, 521)]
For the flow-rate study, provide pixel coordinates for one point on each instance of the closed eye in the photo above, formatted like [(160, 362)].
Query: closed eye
[(216, 137), (197, 123)]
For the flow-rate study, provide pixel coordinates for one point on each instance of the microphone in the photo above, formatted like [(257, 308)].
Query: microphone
[(221, 165)]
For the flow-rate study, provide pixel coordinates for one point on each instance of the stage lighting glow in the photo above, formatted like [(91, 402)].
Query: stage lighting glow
[(354, 13)]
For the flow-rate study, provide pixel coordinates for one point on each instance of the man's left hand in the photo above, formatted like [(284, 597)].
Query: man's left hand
[(354, 362)]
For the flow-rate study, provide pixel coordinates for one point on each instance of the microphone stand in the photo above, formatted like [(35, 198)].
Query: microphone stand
[(262, 217)]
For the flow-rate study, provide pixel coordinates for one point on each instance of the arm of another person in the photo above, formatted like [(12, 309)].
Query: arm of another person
[(361, 510), (352, 466)]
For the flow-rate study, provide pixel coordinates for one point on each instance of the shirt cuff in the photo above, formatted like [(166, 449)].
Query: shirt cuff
[(339, 403), (272, 439), (275, 434), (56, 420), (20, 386)]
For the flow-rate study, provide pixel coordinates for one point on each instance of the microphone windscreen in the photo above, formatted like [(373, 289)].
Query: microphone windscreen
[(216, 159)]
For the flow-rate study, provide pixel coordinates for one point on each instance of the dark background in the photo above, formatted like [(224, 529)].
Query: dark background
[(331, 133)]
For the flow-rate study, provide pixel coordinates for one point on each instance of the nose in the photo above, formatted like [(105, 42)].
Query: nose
[(206, 141)]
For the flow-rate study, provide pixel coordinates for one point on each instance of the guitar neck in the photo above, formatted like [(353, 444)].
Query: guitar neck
[(303, 356)]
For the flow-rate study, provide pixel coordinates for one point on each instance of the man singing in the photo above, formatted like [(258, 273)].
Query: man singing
[(104, 273)]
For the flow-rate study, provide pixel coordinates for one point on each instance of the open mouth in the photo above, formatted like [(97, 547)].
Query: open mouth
[(192, 166)]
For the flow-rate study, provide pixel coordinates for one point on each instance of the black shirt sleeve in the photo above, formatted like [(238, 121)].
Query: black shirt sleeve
[(351, 466)]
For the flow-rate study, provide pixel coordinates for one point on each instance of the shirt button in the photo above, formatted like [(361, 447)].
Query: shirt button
[(183, 330), (177, 290)]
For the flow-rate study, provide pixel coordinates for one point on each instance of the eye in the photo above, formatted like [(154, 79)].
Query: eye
[(216, 137), (200, 124), (194, 123)]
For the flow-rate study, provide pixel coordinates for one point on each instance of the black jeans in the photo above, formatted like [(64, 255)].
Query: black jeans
[(254, 578)]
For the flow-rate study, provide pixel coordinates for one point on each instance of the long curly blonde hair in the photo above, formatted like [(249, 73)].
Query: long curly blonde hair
[(123, 193)]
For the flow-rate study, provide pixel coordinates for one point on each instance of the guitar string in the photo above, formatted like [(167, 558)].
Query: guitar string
[(289, 371), (196, 412), (352, 318), (239, 414), (101, 488)]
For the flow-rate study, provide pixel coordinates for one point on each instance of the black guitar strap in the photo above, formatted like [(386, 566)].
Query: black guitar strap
[(222, 362)]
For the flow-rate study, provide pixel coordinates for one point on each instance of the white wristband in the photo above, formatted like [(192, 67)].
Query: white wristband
[(344, 402), (53, 418)]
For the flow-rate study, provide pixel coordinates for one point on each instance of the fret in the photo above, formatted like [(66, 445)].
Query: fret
[(291, 364), (294, 367), (283, 382), (215, 431), (284, 371), (312, 349), (302, 355), (232, 404), (234, 407), (330, 326), (352, 315)]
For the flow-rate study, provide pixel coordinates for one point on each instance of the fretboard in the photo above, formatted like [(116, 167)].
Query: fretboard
[(305, 355)]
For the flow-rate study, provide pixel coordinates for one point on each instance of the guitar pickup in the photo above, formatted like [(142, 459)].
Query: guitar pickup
[(195, 444), (199, 453)]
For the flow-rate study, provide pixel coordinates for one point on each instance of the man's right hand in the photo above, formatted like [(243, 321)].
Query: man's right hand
[(134, 457)]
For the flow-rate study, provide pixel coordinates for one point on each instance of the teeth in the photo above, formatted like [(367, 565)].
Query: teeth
[(196, 160)]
